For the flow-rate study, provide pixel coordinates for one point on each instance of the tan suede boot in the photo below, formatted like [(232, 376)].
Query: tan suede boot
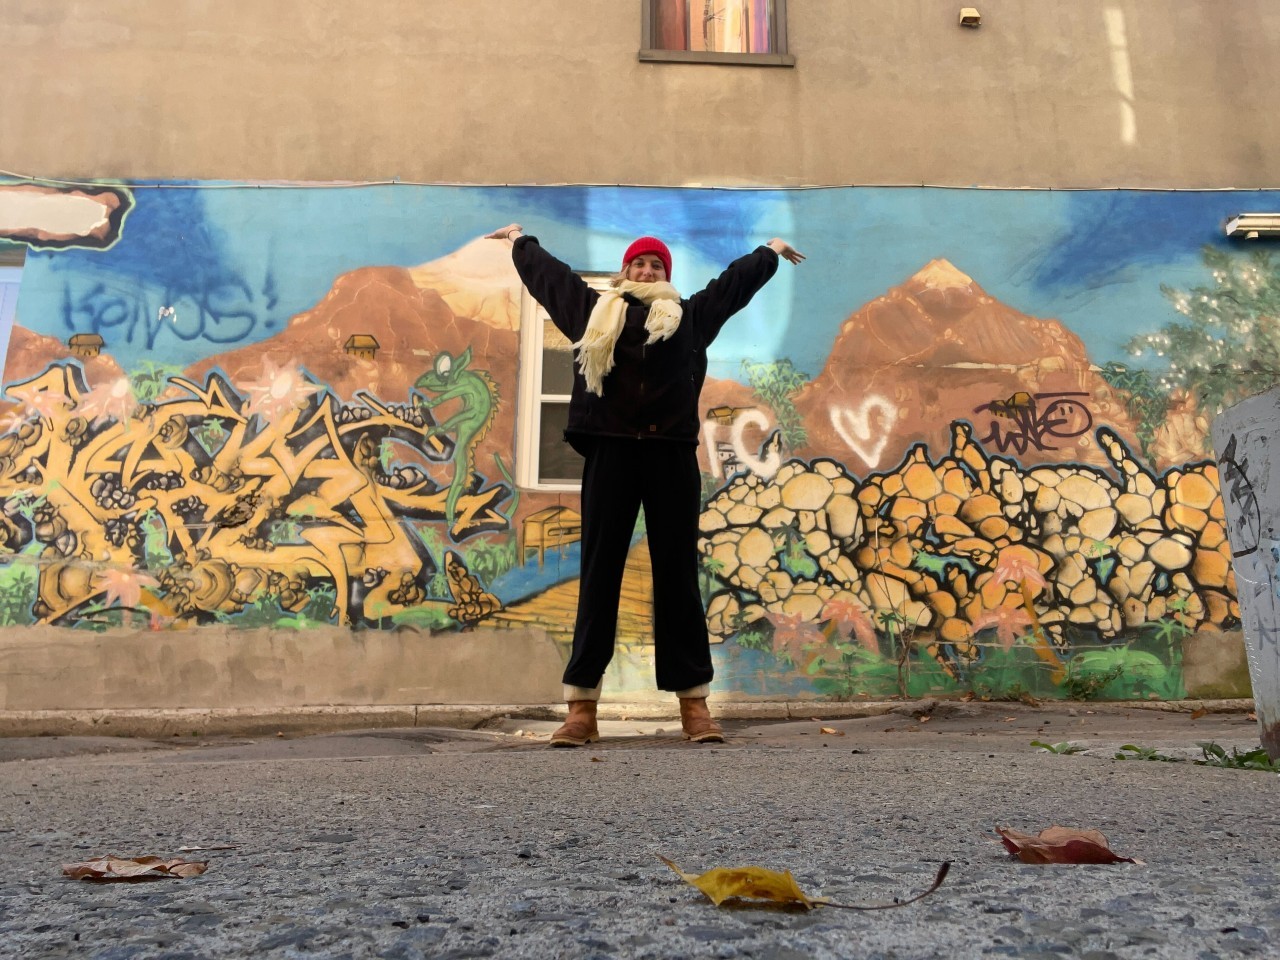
[(697, 722), (579, 728)]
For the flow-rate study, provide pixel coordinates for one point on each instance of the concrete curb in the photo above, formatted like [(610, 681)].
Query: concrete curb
[(253, 721)]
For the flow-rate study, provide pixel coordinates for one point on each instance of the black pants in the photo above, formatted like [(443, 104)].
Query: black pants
[(620, 476)]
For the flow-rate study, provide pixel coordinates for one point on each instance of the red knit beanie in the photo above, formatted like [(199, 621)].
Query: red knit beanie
[(648, 245)]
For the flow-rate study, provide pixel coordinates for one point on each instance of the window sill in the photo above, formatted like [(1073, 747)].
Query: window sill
[(731, 59)]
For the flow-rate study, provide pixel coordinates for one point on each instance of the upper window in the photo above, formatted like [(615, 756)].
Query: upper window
[(716, 31)]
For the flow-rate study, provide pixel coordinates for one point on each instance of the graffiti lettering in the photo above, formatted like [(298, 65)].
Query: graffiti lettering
[(222, 313), (855, 427), (1063, 418), (728, 456), (285, 503), (1239, 492)]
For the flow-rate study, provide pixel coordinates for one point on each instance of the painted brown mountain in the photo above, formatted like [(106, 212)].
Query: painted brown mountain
[(476, 281), (30, 353), (938, 348), (411, 326)]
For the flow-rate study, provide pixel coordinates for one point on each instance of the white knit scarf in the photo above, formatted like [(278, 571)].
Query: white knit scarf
[(604, 326)]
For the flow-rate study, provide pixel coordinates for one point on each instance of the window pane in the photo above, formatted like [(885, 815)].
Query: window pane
[(9, 279), (722, 26), (557, 360), (557, 461)]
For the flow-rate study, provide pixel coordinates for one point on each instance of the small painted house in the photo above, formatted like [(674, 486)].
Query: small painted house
[(361, 346), (86, 346)]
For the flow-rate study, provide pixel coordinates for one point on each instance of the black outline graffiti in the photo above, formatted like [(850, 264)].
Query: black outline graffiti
[(1032, 426), (1236, 487)]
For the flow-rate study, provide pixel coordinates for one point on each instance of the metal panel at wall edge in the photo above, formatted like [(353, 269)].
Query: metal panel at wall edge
[(1243, 437)]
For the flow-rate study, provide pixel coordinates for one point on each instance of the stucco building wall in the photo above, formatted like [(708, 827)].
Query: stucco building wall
[(1170, 93)]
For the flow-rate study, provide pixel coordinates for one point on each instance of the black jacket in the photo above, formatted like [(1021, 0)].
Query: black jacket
[(652, 391)]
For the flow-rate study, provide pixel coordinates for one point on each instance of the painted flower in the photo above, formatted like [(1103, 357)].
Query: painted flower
[(12, 419), (791, 633), (852, 617), (279, 390), (113, 400), (1019, 565), (123, 585), (45, 404), (1010, 623)]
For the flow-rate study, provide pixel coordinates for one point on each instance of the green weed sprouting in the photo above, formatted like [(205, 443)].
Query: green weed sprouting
[(1217, 756), (1133, 752), (1214, 756)]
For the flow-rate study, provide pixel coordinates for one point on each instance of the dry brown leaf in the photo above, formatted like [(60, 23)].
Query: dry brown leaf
[(1197, 714), (769, 886), (924, 719), (597, 759), (112, 867), (1253, 717), (1060, 845), (832, 731), (1009, 719)]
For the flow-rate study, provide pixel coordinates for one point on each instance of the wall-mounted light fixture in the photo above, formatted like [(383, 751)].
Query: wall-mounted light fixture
[(1253, 226), (970, 17)]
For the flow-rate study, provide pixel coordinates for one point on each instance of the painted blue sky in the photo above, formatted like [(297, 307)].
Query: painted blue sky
[(236, 262)]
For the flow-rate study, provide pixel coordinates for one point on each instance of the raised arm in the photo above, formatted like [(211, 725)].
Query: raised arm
[(741, 280), (786, 251), (566, 296)]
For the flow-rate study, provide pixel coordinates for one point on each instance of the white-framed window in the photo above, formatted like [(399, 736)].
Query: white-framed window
[(10, 277), (743, 32), (544, 460)]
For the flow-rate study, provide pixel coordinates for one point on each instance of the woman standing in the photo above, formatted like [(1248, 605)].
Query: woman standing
[(641, 358)]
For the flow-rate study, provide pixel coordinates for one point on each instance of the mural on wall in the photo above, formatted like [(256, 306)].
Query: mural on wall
[(229, 416)]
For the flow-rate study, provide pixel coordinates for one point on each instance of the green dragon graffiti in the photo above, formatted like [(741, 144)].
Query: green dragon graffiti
[(449, 379)]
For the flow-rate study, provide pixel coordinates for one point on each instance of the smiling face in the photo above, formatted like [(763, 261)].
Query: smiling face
[(646, 268)]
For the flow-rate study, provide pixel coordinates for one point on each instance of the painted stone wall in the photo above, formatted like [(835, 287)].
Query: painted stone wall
[(962, 449)]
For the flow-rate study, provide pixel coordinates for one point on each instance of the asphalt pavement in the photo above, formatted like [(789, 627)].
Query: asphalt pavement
[(435, 842)]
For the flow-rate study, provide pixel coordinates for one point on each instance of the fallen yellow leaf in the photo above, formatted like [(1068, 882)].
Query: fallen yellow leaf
[(832, 731), (1197, 714), (770, 886), (746, 883)]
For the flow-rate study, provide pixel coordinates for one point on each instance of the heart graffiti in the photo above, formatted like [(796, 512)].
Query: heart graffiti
[(855, 427)]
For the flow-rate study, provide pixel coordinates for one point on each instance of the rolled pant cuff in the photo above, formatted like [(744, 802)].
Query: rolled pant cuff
[(572, 693), (701, 690)]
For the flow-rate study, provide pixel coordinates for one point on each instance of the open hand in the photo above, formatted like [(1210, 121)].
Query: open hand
[(785, 250), (504, 233)]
